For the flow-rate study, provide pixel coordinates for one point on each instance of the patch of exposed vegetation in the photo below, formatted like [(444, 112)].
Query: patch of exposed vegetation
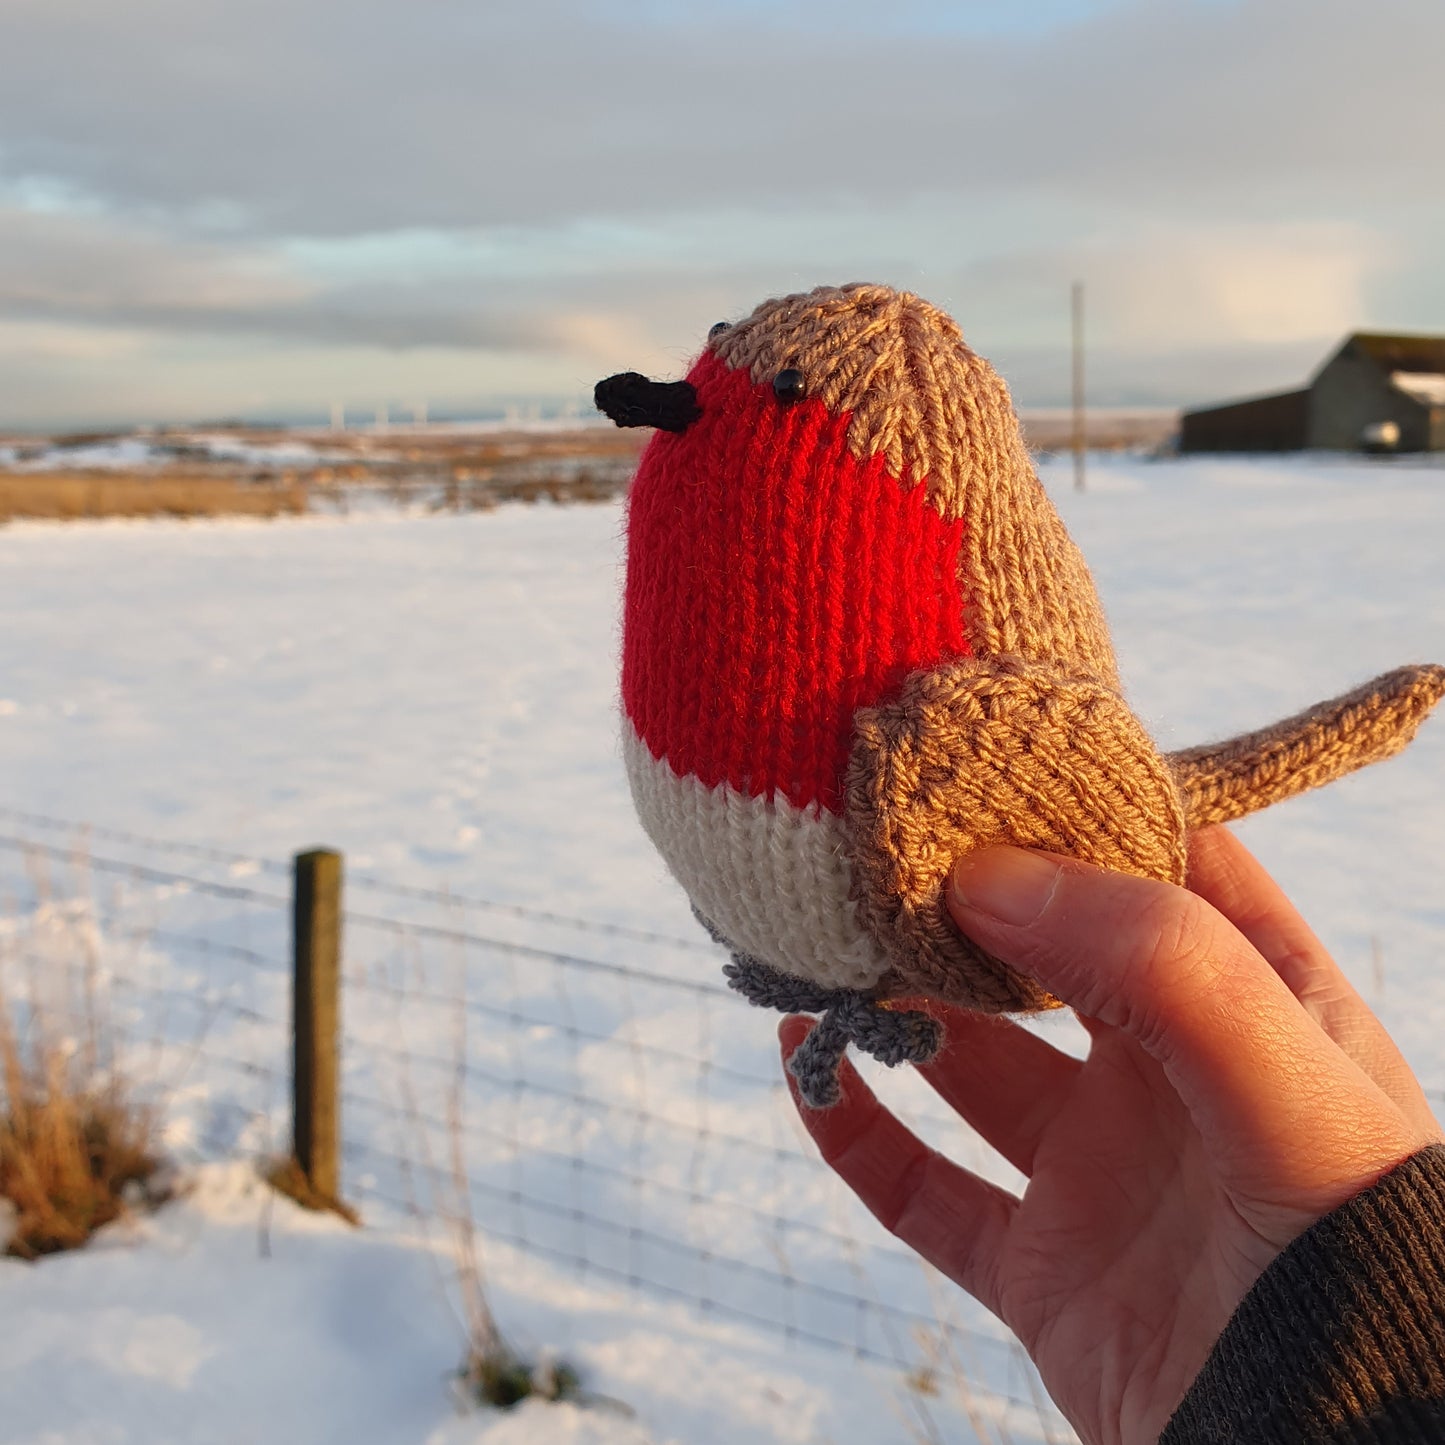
[(75, 1151), (287, 1177), (71, 496)]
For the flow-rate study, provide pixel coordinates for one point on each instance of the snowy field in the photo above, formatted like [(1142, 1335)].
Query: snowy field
[(140, 453), (435, 696)]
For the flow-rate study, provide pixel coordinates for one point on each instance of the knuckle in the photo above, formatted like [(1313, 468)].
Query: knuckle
[(1176, 933), (1171, 959), (910, 1186)]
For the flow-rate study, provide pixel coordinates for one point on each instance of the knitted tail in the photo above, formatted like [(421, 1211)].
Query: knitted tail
[(1221, 781)]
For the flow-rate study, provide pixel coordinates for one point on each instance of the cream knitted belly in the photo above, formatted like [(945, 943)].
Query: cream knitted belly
[(772, 878)]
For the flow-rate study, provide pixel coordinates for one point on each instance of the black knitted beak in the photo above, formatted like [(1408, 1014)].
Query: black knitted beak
[(630, 399)]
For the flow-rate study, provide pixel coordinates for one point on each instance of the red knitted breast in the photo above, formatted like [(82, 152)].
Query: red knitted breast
[(774, 585)]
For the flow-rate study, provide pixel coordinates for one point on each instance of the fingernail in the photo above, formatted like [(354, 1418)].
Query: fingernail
[(1011, 885)]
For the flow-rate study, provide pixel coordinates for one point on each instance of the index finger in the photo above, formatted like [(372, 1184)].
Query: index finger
[(1259, 1076), (1226, 875), (955, 1220)]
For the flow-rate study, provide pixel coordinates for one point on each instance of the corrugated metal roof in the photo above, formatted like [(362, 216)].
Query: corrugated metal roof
[(1402, 353), (1424, 386)]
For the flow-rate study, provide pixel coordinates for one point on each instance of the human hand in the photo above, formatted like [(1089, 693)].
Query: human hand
[(1236, 1090)]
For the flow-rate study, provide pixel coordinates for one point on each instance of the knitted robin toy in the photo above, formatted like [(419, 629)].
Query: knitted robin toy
[(858, 643)]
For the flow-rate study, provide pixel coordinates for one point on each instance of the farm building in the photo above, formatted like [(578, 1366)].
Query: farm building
[(1376, 393)]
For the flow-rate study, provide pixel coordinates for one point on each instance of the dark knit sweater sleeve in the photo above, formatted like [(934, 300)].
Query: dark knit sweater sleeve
[(1342, 1339)]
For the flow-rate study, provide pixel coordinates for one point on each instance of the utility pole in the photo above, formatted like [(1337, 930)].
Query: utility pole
[(1078, 370)]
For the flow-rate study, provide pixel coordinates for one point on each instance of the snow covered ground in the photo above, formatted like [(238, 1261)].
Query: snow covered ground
[(140, 451), (130, 453), (434, 695)]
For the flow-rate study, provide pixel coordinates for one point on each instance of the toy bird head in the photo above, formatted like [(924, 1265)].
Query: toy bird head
[(858, 642)]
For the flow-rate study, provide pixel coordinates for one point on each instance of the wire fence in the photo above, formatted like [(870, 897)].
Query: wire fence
[(600, 1099)]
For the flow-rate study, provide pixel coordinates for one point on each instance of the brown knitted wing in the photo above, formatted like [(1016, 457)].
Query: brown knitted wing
[(978, 752), (1227, 780)]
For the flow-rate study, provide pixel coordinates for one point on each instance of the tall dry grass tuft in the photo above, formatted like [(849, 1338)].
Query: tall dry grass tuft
[(74, 1152), (77, 1149)]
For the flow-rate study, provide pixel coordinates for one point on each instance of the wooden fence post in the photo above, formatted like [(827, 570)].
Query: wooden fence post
[(316, 1014)]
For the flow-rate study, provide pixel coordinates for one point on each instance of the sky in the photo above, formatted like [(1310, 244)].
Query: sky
[(259, 208)]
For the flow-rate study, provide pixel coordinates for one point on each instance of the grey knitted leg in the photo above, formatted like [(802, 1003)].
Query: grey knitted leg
[(768, 987), (892, 1036), (815, 1062)]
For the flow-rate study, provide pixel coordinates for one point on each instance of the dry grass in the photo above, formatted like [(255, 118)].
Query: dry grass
[(491, 1372), (78, 1148), (68, 496), (287, 1177), (444, 470), (74, 1150)]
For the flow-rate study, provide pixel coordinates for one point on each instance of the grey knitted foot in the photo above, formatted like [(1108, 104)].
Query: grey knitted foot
[(892, 1036)]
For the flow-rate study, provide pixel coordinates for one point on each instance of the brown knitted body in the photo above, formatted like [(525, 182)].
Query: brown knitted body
[(1036, 749), (1029, 742), (859, 643)]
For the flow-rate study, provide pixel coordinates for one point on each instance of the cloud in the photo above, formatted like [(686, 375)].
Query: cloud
[(70, 271), (30, 342), (77, 279), (79, 265), (1174, 311), (537, 191), (1187, 284), (323, 117), (1161, 376), (1268, 284)]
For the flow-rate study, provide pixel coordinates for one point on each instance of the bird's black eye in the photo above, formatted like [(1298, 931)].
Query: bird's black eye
[(717, 328), (788, 385)]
